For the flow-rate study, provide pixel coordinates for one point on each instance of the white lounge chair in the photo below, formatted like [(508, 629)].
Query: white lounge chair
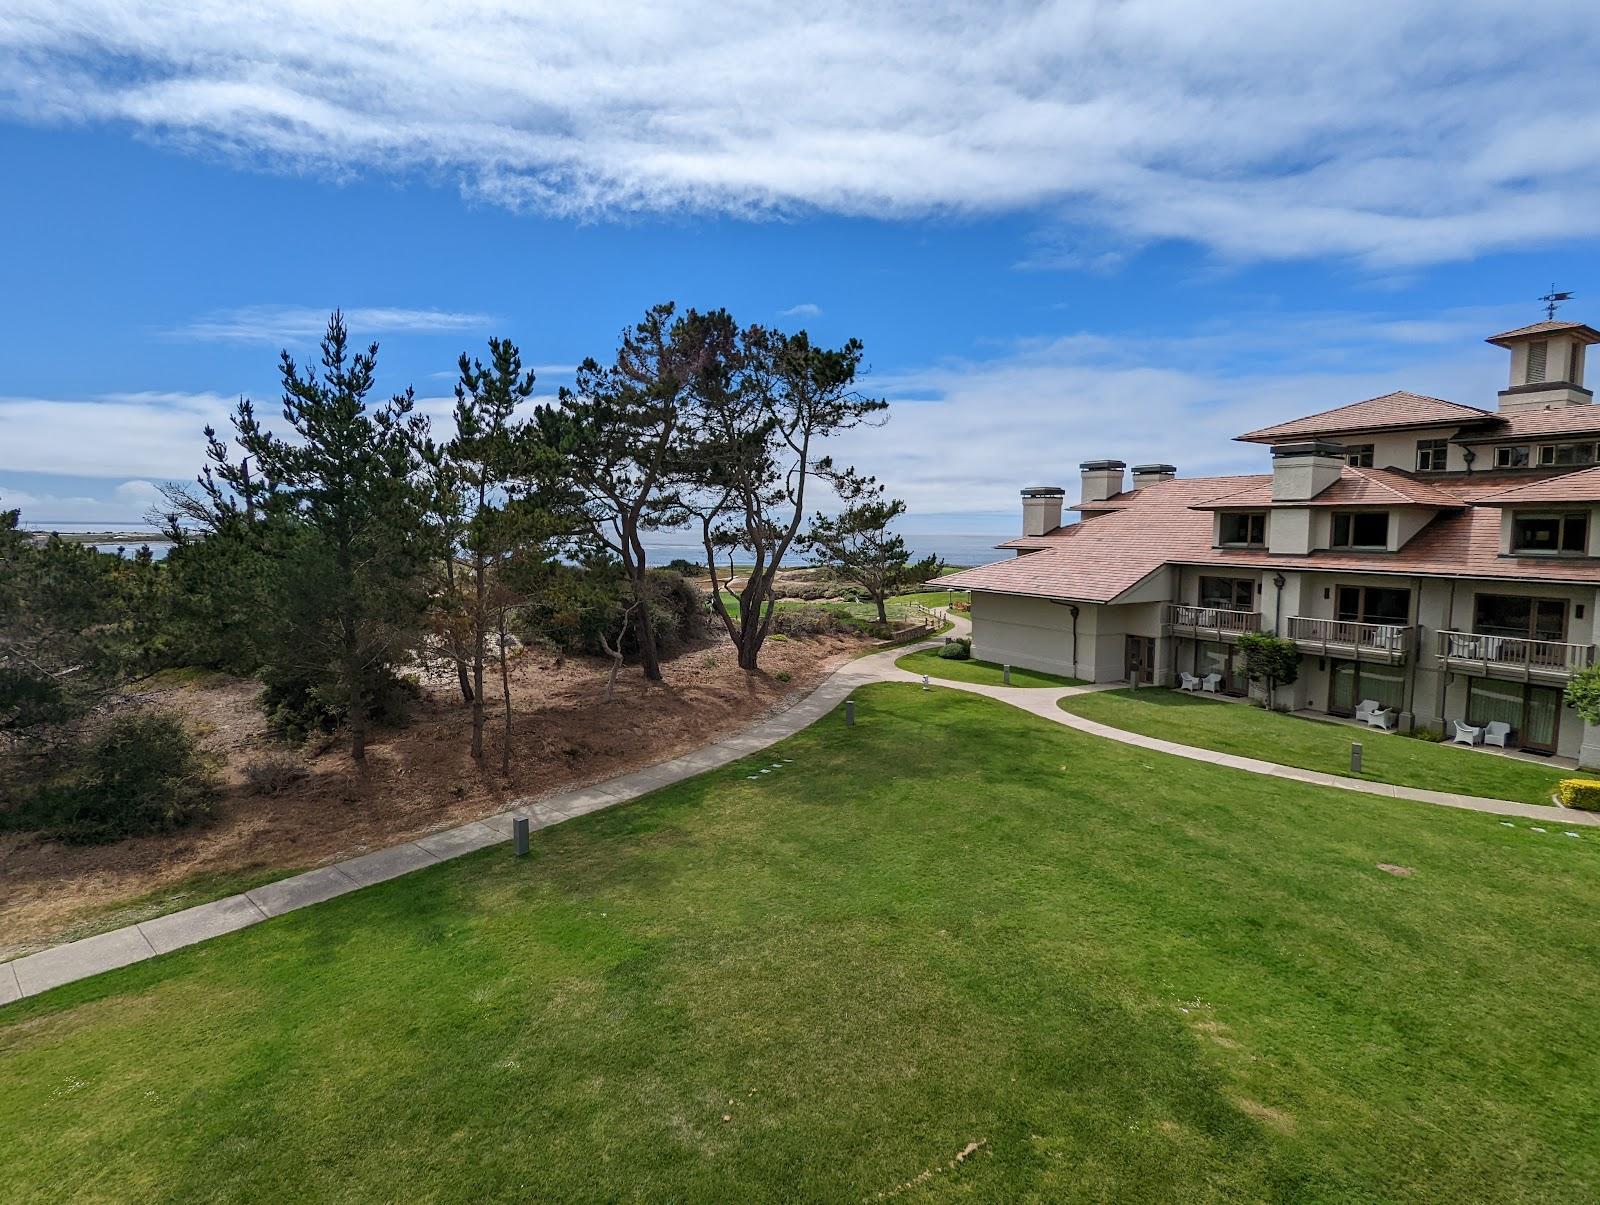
[(1466, 734), (1211, 684), (1366, 707), (1188, 681), (1381, 718), (1497, 732)]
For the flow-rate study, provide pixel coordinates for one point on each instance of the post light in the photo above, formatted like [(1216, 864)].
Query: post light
[(849, 713), (519, 833), (924, 681), (1006, 674), (1355, 757)]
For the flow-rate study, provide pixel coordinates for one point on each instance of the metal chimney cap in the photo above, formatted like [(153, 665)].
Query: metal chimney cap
[(1043, 491), (1091, 466), (1139, 469)]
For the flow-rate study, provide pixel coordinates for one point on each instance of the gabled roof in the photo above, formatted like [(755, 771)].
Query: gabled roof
[(1399, 409), (1582, 486), (1531, 424), (1581, 329), (1355, 487)]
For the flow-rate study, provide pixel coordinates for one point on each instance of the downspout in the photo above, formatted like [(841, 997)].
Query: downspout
[(1416, 652), (1279, 582), (1444, 673), (1074, 609)]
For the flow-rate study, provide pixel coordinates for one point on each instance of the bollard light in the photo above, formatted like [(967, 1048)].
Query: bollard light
[(1006, 674), (519, 833), (1355, 757), (924, 681), (849, 713)]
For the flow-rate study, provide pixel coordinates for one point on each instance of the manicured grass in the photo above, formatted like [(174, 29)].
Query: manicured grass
[(1130, 977), (986, 673), (1317, 744)]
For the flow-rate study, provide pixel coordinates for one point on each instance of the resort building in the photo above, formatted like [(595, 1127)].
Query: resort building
[(1437, 559)]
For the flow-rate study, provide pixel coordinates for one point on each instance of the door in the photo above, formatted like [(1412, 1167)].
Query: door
[(1141, 660), (1534, 712)]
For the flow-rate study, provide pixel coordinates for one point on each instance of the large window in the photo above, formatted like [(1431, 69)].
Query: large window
[(1518, 615), (1244, 527), (1352, 682), (1565, 454), (1361, 529), (1359, 455), (1373, 604), (1533, 712), (1228, 593), (1432, 455), (1511, 458), (1567, 533)]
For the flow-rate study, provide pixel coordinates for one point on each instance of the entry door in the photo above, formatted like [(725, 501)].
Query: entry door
[(1141, 660)]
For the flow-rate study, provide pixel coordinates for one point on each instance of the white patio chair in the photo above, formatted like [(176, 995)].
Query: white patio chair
[(1366, 707), (1187, 681), (1211, 684), (1466, 734), (1382, 718), (1497, 732)]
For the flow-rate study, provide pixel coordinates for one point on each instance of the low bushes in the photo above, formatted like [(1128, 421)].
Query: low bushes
[(273, 772), (807, 621), (142, 772), (1580, 793), (959, 649)]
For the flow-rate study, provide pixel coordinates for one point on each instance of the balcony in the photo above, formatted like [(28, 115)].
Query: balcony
[(1346, 638), (1514, 657), (1211, 623)]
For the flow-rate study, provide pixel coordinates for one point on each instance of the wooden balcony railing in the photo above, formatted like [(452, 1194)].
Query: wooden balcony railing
[(1514, 652), (1392, 640), (1221, 620)]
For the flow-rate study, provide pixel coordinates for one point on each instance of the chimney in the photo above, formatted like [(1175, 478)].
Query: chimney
[(1102, 479), (1041, 509), (1152, 474), (1301, 471)]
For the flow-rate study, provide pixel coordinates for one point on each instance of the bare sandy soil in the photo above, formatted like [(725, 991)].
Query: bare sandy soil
[(419, 778)]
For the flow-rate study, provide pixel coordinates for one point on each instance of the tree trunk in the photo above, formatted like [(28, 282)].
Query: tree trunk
[(465, 682), (649, 658), (883, 614), (505, 698)]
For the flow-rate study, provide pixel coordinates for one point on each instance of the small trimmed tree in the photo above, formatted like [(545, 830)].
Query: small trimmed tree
[(1270, 659), (1583, 694), (857, 545)]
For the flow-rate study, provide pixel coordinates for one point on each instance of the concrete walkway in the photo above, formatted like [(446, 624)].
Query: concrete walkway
[(35, 973)]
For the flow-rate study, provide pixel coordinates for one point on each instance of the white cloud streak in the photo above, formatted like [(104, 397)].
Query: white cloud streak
[(295, 324), (1393, 134)]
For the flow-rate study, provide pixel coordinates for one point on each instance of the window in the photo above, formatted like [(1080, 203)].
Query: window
[(1228, 593), (1550, 533), (1361, 529), (1582, 453), (1538, 354), (1518, 615), (1373, 604), (1244, 527), (1432, 455), (1511, 458), (1358, 456), (1350, 682)]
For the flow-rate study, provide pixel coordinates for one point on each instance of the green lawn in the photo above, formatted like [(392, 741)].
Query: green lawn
[(987, 673), (1318, 744), (1130, 977)]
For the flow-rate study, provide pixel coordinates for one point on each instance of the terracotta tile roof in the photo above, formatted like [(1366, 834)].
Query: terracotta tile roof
[(1399, 409), (1584, 331), (1355, 487), (1098, 559), (1529, 424), (1582, 486)]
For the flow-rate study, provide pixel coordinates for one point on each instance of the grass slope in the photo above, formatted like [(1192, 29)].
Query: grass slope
[(986, 673), (1133, 978), (1318, 745)]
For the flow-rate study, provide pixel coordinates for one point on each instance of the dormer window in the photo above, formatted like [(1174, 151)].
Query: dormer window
[(1359, 456), (1551, 534), (1511, 458), (1242, 529), (1361, 529), (1432, 455), (1565, 454)]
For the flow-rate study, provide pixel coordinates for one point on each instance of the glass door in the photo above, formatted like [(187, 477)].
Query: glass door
[(1533, 712), (1541, 725)]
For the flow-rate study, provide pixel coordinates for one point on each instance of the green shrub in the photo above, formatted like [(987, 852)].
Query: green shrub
[(959, 649), (807, 621), (1580, 793), (1583, 693), (782, 675), (141, 773)]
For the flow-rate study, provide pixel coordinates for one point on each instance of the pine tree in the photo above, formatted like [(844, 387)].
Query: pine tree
[(857, 545)]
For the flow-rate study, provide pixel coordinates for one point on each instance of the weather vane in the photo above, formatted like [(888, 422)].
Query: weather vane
[(1553, 299)]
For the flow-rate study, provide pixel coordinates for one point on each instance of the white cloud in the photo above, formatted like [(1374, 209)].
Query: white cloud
[(145, 435), (126, 505), (965, 435), (1392, 133), (806, 309), (294, 324)]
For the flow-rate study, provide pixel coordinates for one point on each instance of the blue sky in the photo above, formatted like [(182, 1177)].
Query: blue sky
[(1082, 230)]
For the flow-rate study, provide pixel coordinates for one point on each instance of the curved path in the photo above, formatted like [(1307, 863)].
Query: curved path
[(50, 968)]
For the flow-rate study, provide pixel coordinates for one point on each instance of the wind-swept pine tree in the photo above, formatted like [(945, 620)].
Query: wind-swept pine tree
[(857, 545)]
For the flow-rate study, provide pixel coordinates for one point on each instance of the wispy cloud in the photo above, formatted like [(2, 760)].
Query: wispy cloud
[(806, 309), (1394, 134), (295, 324), (153, 435)]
